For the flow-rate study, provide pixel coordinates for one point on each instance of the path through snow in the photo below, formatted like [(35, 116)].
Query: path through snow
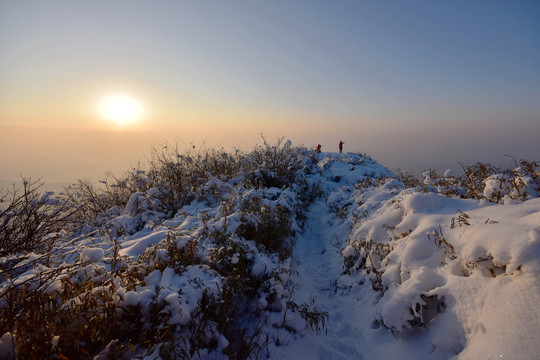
[(317, 263)]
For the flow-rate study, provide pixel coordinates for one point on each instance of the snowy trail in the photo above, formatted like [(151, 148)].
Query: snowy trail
[(317, 261)]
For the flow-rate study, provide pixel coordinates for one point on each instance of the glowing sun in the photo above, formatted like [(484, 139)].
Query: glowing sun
[(120, 109)]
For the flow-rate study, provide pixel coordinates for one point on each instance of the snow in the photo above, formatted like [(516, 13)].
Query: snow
[(92, 254), (136, 245), (262, 265), (402, 274), (480, 309)]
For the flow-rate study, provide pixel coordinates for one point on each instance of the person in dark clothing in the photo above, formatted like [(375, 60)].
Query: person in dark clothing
[(341, 146)]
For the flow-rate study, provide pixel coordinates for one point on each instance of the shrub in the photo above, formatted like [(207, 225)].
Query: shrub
[(367, 256), (274, 165), (448, 184), (95, 206), (268, 225), (408, 179), (520, 183), (31, 220), (485, 181), (59, 303)]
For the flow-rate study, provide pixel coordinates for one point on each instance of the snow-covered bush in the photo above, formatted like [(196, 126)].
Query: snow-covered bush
[(268, 223), (412, 246), (519, 184), (30, 220), (484, 181), (448, 184), (473, 179), (274, 166), (189, 258)]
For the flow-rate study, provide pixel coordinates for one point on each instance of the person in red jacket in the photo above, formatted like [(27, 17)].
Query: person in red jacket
[(319, 148), (341, 146)]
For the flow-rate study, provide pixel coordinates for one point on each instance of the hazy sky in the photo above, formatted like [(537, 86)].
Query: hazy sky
[(415, 84)]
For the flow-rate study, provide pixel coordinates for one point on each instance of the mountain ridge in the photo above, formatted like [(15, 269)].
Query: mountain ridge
[(280, 252)]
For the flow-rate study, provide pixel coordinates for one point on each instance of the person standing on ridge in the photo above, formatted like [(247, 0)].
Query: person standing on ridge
[(319, 148), (341, 146)]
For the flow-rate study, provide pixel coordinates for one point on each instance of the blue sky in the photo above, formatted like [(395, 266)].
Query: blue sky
[(416, 84)]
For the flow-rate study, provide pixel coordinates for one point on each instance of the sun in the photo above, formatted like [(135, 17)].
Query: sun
[(121, 109)]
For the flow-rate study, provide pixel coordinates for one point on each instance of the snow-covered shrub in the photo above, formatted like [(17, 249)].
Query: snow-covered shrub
[(340, 202), (143, 210), (175, 251), (188, 258), (70, 311), (274, 165), (448, 184), (306, 192), (531, 168), (182, 172), (517, 184), (268, 223), (244, 288), (216, 191), (95, 206), (385, 254), (30, 220), (442, 243), (368, 257), (474, 177), (430, 252), (485, 181), (408, 180)]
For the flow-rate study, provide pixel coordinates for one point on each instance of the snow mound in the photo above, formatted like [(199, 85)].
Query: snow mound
[(464, 271)]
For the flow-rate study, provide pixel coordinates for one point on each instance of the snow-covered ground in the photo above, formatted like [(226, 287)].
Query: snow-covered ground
[(402, 273), (479, 260)]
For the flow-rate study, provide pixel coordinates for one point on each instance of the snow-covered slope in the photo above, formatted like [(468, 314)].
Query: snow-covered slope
[(426, 276), (328, 257)]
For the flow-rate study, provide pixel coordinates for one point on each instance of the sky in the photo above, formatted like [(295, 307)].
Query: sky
[(415, 84)]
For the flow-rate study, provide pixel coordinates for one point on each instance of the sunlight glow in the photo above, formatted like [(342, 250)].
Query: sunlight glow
[(120, 109)]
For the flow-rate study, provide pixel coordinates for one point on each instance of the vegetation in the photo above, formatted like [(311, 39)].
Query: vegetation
[(67, 291), (484, 181), (373, 258), (215, 280)]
